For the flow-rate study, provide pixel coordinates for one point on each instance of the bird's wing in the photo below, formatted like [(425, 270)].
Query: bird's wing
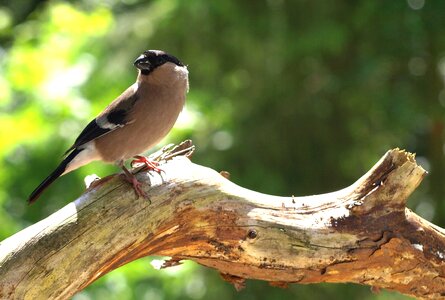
[(113, 117)]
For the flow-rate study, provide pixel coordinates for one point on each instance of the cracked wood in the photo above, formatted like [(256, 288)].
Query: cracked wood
[(362, 234)]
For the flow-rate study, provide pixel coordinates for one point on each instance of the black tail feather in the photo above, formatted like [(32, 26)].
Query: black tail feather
[(53, 176)]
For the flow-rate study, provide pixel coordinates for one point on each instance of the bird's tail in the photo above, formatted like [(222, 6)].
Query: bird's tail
[(53, 176)]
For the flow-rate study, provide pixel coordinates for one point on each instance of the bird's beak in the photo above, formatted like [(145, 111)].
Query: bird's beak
[(142, 63)]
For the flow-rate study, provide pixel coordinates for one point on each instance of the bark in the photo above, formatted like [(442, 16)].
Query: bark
[(362, 234)]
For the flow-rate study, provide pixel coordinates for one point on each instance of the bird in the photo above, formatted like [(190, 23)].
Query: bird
[(132, 123)]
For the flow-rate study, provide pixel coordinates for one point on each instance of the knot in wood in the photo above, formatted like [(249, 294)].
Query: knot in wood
[(252, 234)]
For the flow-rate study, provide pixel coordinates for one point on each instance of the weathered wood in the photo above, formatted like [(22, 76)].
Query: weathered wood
[(362, 234)]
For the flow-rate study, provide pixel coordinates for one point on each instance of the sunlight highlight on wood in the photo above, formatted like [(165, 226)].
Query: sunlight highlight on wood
[(362, 234)]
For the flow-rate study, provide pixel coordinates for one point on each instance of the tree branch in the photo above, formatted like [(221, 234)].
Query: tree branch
[(362, 234)]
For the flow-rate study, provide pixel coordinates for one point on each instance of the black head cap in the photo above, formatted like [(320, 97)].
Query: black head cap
[(151, 59)]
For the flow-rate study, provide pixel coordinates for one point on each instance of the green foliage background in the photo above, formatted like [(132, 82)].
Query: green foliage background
[(292, 97)]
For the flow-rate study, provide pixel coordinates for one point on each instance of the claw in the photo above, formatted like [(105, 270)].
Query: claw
[(137, 186), (149, 164)]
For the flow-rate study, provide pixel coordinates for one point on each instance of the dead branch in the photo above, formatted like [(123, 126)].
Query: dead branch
[(362, 234)]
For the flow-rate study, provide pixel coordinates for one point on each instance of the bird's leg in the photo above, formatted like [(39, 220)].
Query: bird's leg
[(149, 164), (137, 185)]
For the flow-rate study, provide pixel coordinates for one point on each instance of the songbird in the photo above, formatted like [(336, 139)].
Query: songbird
[(133, 123)]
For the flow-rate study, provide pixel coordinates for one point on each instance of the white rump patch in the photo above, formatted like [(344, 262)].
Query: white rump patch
[(87, 155)]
